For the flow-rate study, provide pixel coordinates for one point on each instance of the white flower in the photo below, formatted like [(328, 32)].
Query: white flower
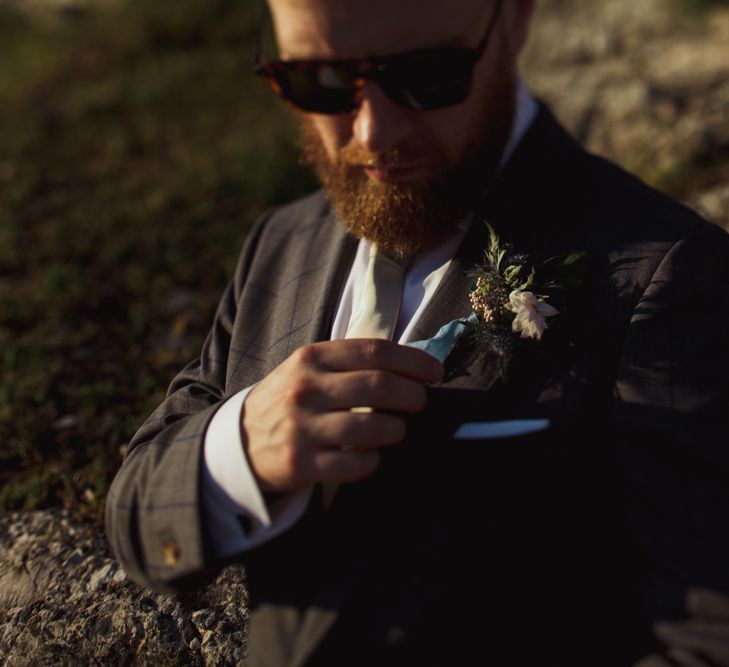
[(531, 314)]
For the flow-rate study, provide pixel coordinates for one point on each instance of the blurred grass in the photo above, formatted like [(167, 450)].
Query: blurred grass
[(136, 149)]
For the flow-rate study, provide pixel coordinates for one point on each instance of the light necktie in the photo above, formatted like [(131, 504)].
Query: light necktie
[(376, 316), (379, 304)]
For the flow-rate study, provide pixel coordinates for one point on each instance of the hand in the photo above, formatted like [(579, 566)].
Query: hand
[(706, 633), (298, 424)]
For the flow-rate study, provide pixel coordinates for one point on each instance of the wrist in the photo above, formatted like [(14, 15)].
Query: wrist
[(269, 493)]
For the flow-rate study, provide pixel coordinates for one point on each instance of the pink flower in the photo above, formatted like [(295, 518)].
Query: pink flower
[(531, 314)]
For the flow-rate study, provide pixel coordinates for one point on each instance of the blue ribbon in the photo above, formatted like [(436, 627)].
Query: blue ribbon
[(444, 341)]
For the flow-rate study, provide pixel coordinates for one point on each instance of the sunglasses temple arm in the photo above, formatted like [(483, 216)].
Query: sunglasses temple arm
[(485, 39)]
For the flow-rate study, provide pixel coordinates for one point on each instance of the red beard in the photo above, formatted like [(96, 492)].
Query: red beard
[(409, 216)]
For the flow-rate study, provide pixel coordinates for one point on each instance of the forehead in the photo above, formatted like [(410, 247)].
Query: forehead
[(360, 28)]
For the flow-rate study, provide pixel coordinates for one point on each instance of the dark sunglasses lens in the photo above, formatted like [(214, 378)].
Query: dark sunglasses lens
[(429, 80), (319, 89)]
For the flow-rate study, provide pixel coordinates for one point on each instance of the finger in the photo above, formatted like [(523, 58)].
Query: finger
[(356, 430), (686, 659), (653, 660), (337, 465), (377, 389), (359, 354), (707, 604), (710, 639)]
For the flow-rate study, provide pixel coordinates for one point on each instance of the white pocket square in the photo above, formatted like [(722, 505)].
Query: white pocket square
[(501, 429)]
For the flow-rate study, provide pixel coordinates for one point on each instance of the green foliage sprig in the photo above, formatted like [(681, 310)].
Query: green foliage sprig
[(509, 294)]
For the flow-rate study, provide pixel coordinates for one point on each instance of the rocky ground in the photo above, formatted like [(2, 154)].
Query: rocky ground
[(636, 82), (65, 601), (645, 85)]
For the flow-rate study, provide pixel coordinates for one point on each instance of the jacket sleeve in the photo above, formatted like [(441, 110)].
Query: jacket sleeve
[(153, 510), (672, 411)]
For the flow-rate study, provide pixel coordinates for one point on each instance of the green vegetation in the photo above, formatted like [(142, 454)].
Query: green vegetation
[(136, 149)]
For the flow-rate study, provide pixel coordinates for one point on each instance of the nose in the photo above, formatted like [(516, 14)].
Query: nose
[(380, 124)]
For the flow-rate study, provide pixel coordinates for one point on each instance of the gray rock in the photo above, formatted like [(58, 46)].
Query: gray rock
[(641, 84), (101, 577), (64, 600), (713, 204)]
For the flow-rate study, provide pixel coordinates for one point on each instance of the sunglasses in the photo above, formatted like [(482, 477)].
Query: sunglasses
[(422, 79)]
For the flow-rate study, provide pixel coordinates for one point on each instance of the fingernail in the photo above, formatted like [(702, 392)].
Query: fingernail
[(438, 370)]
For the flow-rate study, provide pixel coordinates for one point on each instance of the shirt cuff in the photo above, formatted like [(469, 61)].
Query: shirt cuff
[(231, 497)]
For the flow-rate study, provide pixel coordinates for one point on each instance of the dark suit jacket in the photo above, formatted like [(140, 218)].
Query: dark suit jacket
[(566, 544)]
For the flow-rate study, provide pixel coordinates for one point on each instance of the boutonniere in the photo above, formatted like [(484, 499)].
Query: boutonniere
[(513, 301)]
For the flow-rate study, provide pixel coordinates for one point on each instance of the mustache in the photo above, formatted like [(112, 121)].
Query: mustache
[(356, 156)]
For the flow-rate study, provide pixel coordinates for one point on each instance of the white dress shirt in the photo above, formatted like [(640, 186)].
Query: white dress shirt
[(229, 490)]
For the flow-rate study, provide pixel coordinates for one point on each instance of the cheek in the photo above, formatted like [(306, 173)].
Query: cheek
[(447, 135), (335, 132)]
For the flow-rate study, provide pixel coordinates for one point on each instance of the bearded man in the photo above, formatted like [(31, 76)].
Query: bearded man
[(546, 475)]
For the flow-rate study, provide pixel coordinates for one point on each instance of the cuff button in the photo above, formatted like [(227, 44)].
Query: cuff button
[(171, 553)]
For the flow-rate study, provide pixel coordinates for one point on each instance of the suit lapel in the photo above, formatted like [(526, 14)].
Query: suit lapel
[(306, 300), (341, 248), (542, 224), (451, 299)]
